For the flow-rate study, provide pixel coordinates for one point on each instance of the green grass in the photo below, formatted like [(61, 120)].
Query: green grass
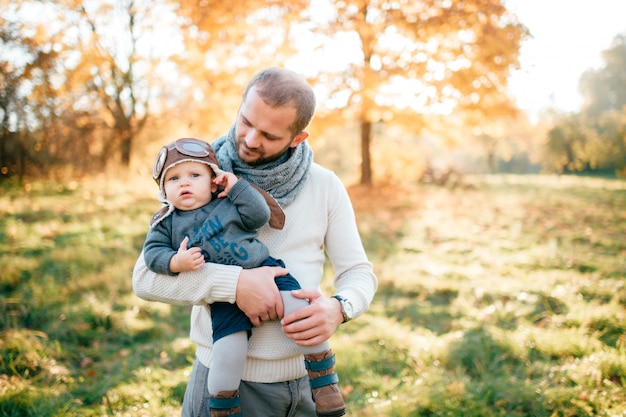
[(502, 297)]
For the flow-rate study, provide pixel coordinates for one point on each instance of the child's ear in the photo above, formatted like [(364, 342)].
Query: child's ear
[(213, 185)]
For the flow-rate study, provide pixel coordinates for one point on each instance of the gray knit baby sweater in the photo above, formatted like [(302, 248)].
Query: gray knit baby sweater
[(225, 230)]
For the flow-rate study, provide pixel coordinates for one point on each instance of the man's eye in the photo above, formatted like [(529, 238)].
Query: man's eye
[(269, 136)]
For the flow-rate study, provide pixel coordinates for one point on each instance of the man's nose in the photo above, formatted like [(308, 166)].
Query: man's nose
[(253, 138)]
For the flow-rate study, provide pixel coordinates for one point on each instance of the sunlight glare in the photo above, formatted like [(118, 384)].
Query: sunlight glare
[(317, 54)]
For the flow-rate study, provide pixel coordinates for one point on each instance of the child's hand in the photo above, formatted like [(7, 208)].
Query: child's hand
[(226, 180), (186, 259)]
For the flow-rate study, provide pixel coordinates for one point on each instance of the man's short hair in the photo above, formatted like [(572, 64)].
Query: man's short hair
[(280, 87)]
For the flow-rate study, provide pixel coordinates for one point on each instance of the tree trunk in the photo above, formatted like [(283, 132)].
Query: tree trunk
[(366, 165), (125, 148)]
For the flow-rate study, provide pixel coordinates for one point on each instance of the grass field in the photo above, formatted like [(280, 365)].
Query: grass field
[(504, 296)]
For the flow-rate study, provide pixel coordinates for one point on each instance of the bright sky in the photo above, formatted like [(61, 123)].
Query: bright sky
[(568, 37)]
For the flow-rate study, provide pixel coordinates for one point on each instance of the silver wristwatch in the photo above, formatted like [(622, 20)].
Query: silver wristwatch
[(346, 308)]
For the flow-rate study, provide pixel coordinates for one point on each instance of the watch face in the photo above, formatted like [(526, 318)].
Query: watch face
[(348, 309)]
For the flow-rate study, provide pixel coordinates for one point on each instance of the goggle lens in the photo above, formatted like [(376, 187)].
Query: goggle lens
[(159, 162), (192, 148)]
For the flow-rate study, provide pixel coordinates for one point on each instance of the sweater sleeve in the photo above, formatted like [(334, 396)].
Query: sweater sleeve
[(354, 274), (251, 205), (157, 250), (207, 285)]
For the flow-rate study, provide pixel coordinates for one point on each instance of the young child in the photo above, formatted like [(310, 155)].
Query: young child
[(192, 228)]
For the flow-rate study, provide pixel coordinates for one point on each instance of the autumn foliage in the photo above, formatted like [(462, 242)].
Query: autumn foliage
[(94, 82), (94, 86)]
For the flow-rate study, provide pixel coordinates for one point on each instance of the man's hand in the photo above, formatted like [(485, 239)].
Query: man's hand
[(257, 294), (314, 324), (186, 259)]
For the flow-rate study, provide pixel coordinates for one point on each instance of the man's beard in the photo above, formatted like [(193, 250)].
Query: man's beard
[(261, 159)]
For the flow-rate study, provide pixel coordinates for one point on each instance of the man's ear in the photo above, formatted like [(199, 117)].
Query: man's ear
[(300, 137)]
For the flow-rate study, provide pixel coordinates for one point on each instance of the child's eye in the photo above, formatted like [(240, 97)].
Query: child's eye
[(174, 178), (195, 175)]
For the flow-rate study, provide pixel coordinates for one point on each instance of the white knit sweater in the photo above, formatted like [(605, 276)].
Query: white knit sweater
[(321, 219)]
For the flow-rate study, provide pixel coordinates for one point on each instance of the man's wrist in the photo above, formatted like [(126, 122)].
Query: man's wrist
[(347, 311)]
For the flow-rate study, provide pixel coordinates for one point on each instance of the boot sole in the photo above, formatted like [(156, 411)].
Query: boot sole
[(333, 413)]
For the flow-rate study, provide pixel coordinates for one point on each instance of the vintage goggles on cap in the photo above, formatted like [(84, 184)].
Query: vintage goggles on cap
[(183, 149)]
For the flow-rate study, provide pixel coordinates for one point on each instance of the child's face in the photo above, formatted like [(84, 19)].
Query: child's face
[(189, 185)]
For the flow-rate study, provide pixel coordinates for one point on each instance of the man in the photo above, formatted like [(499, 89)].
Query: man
[(267, 146)]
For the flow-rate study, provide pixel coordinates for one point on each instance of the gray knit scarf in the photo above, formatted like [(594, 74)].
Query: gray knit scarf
[(282, 178)]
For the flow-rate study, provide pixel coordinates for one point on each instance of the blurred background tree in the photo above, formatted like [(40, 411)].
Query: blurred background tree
[(225, 43), (594, 139), (101, 84), (27, 106), (424, 58), (77, 88)]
